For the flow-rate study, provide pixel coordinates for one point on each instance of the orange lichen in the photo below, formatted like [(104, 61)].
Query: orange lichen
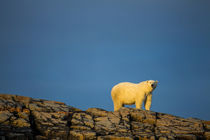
[(207, 122), (66, 113), (17, 109), (26, 111), (61, 103)]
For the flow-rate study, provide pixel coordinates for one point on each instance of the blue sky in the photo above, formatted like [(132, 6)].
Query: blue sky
[(76, 51)]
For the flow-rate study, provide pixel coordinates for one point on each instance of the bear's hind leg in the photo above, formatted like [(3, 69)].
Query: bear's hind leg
[(117, 106)]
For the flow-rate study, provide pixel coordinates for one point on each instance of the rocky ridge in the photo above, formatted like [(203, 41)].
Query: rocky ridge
[(25, 118)]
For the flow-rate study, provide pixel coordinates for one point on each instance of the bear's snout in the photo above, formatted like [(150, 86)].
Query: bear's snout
[(153, 85)]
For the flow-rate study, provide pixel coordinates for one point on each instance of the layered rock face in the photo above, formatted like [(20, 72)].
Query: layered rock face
[(24, 118)]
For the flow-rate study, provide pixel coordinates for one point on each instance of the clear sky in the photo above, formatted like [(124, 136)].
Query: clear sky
[(75, 51)]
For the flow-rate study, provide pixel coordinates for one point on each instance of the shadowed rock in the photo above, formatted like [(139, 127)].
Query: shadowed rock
[(29, 119)]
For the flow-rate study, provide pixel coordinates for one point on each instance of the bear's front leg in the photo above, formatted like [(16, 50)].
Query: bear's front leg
[(139, 103), (148, 101)]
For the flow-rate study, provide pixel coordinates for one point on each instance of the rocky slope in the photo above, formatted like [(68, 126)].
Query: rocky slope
[(24, 118)]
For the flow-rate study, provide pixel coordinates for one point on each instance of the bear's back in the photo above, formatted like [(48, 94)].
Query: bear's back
[(124, 87)]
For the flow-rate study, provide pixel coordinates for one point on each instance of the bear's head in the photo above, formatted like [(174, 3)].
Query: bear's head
[(152, 83)]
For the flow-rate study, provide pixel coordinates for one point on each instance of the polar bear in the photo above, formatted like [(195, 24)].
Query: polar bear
[(127, 93)]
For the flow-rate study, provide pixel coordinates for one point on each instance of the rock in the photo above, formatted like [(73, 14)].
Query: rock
[(4, 116), (27, 118), (207, 135), (207, 125), (97, 112), (114, 138), (21, 123)]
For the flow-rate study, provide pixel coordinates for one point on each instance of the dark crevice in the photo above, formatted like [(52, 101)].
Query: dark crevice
[(155, 125), (130, 123), (32, 122), (69, 118), (94, 123), (121, 120)]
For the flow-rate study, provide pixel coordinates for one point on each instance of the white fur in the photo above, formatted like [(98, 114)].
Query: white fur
[(129, 93)]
